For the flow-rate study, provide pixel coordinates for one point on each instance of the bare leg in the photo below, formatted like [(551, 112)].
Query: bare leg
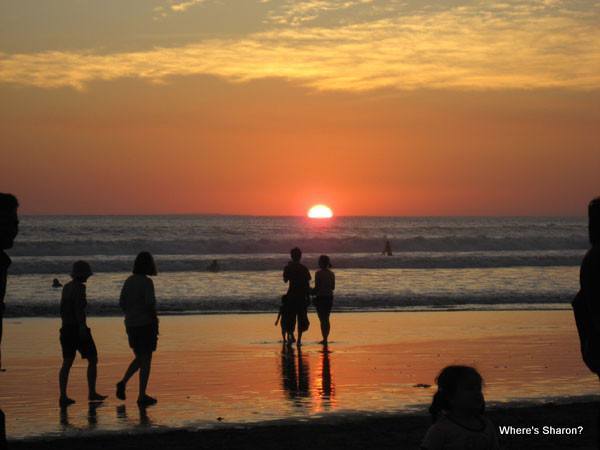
[(121, 385), (92, 374), (63, 380), (131, 370), (145, 361), (325, 327)]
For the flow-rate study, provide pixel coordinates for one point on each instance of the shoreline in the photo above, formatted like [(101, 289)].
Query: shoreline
[(376, 363), (351, 431), (510, 307)]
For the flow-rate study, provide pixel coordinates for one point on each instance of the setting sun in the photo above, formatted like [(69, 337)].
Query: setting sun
[(320, 212)]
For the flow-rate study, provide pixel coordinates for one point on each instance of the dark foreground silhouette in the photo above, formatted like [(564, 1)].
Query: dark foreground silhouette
[(9, 229), (344, 433)]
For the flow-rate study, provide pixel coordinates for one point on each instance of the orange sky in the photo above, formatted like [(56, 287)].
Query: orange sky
[(246, 140)]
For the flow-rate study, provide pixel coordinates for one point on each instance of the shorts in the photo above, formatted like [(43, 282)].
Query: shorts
[(324, 305), (71, 342), (143, 339)]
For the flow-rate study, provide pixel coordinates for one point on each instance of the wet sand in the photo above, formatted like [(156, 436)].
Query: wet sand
[(232, 368), (355, 432)]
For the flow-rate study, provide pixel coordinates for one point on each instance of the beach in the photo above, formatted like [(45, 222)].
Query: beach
[(355, 432), (230, 370)]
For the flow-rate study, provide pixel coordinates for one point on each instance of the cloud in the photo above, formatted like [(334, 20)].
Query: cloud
[(295, 13), (180, 6), (525, 45)]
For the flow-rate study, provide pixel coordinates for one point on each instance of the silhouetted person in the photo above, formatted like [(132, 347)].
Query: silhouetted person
[(75, 336), (214, 266), (387, 250), (9, 228), (324, 287), (457, 412), (138, 302), (56, 283), (298, 277), (286, 320), (586, 304)]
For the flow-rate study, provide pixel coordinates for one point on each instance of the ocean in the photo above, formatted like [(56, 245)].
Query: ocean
[(437, 263)]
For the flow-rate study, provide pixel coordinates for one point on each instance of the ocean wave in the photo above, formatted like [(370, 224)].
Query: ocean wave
[(263, 245), (260, 262), (349, 303)]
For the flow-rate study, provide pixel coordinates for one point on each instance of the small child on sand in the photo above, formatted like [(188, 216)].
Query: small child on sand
[(457, 412), (284, 318), (75, 336)]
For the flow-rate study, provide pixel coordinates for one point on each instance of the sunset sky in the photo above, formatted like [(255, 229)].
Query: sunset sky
[(269, 106)]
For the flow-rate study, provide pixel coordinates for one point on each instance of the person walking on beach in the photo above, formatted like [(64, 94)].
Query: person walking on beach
[(138, 302), (457, 412), (586, 305), (9, 228), (298, 277), (324, 287), (75, 336)]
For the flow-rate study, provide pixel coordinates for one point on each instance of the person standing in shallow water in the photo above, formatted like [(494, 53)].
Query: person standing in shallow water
[(298, 277), (138, 302), (75, 336), (9, 228), (324, 287)]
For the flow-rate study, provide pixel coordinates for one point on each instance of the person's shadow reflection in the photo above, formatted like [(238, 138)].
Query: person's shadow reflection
[(144, 420), (92, 416), (296, 382), (327, 388)]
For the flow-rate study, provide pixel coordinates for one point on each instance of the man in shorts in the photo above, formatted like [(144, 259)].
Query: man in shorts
[(75, 336)]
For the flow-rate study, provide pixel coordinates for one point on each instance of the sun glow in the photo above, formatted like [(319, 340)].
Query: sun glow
[(320, 212)]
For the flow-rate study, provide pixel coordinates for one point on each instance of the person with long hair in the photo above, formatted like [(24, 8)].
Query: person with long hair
[(138, 302), (323, 290)]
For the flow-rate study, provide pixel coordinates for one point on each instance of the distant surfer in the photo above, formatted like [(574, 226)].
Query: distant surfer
[(214, 266), (56, 283), (387, 249)]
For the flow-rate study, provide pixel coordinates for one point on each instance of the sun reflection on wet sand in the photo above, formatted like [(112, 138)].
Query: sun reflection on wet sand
[(219, 369)]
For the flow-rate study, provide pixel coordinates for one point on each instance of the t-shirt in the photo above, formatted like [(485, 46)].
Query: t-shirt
[(73, 303), (447, 434), (324, 283), (138, 301), (4, 264), (298, 277)]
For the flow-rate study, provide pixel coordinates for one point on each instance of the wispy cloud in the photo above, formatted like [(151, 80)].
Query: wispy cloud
[(512, 45), (296, 13), (176, 6), (180, 6)]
